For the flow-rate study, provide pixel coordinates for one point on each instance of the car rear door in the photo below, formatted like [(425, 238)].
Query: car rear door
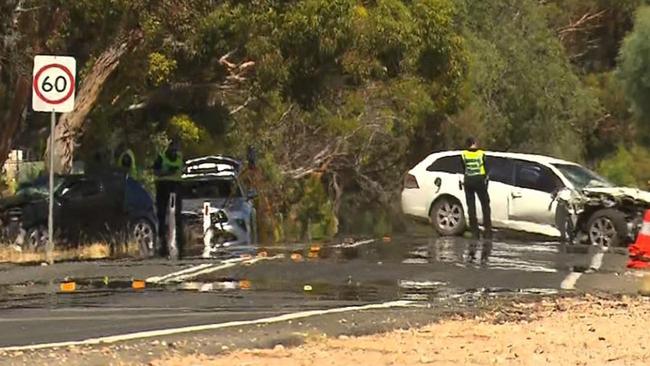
[(448, 171), (501, 173), (531, 197)]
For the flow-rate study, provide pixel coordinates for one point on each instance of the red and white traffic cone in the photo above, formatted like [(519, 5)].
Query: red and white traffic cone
[(640, 250)]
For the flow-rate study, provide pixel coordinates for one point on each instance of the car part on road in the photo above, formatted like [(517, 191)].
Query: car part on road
[(448, 217)]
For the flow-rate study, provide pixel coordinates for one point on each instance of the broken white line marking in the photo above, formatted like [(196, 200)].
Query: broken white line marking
[(225, 265), (197, 328), (354, 245), (155, 279), (570, 281), (597, 261)]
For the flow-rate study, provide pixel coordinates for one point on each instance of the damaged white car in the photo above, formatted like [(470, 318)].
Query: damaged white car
[(531, 193), (215, 205)]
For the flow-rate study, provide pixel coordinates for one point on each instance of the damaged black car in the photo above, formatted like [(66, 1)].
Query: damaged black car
[(112, 208)]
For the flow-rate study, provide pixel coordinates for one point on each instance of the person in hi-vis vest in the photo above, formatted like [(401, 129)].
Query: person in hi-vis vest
[(476, 184), (125, 160)]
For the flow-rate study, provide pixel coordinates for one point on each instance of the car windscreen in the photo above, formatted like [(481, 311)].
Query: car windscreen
[(582, 177), (213, 188), (39, 187)]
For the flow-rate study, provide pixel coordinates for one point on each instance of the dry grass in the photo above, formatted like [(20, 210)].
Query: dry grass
[(92, 251)]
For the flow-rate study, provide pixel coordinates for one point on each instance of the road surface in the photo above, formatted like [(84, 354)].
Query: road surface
[(296, 281)]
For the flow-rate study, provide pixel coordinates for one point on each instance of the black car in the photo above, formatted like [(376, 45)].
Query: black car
[(109, 208)]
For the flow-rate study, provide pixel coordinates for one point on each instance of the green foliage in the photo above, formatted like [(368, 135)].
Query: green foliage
[(348, 94), (313, 213), (525, 92), (629, 166), (160, 68), (634, 66)]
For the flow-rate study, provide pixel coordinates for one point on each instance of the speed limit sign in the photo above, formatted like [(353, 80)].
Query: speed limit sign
[(53, 87), (53, 84)]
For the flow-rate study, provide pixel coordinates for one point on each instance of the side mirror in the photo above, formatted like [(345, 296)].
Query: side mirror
[(252, 194)]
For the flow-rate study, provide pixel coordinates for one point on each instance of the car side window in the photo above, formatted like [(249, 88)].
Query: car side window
[(448, 164), (500, 169), (82, 189), (535, 176)]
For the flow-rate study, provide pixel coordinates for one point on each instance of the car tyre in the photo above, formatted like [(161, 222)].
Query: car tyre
[(607, 228), (448, 217), (143, 233)]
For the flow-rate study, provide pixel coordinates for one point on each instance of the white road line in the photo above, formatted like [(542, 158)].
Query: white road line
[(225, 265), (155, 279), (569, 282), (356, 244), (597, 261), (198, 328)]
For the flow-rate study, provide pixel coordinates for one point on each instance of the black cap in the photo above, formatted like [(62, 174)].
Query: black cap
[(470, 141)]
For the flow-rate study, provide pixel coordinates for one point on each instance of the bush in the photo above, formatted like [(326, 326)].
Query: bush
[(627, 167)]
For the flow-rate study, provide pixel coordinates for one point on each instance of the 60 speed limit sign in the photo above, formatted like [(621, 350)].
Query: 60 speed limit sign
[(53, 84)]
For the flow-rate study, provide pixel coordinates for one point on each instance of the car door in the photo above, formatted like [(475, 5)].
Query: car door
[(501, 173), (82, 209), (531, 197)]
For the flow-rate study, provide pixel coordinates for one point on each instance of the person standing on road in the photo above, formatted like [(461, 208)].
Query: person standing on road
[(476, 184)]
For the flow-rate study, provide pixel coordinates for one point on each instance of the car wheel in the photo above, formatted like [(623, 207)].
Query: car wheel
[(607, 228), (36, 238), (144, 235), (448, 217)]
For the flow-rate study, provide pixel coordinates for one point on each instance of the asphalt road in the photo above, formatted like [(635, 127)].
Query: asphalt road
[(289, 280)]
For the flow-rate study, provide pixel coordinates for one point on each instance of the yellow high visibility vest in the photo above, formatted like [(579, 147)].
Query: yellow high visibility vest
[(474, 162)]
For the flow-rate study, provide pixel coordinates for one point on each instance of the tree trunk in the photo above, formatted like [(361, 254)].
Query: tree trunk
[(70, 126), (12, 117), (24, 35)]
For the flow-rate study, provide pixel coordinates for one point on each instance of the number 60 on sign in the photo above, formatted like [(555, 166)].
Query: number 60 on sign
[(53, 85)]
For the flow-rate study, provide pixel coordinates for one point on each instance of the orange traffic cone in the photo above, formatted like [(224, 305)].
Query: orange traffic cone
[(640, 250)]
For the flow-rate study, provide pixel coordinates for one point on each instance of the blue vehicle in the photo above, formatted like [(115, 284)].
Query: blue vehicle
[(87, 208)]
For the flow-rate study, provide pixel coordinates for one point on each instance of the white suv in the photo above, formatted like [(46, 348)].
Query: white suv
[(523, 190)]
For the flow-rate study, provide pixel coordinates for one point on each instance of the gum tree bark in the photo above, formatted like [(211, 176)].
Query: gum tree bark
[(70, 126)]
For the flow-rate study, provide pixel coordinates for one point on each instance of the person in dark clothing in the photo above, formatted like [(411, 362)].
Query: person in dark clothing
[(168, 169), (476, 184)]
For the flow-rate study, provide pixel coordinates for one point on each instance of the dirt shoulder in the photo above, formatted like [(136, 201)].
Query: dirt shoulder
[(583, 331)]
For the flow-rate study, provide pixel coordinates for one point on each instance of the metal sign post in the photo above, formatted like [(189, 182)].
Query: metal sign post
[(53, 90), (50, 214)]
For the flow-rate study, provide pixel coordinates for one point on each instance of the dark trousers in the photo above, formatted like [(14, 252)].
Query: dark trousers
[(564, 223), (164, 189), (477, 186)]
